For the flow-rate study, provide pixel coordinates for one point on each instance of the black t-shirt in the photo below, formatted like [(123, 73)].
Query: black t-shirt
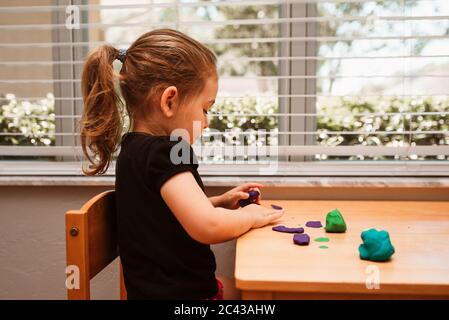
[(160, 260)]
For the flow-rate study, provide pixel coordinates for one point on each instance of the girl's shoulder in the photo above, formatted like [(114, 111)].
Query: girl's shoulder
[(137, 139), (157, 158), (143, 135), (157, 146)]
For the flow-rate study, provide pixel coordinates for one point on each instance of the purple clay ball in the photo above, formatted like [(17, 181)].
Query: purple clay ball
[(301, 239), (253, 194), (275, 206), (314, 224), (287, 229)]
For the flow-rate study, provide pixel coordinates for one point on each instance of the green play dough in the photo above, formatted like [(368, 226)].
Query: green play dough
[(376, 245), (323, 247), (335, 222), (322, 239)]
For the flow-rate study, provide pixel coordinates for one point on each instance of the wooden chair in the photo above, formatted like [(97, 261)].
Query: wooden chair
[(91, 242)]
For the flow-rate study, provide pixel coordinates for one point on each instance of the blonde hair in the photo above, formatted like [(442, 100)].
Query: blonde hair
[(156, 60)]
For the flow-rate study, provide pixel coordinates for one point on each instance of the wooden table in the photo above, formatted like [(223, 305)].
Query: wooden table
[(270, 266)]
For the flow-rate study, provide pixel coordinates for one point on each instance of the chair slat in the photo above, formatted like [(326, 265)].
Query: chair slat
[(91, 241), (102, 233), (78, 253)]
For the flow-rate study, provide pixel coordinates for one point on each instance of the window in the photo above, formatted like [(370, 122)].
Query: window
[(339, 87)]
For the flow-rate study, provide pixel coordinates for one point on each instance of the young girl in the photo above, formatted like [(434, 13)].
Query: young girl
[(165, 221)]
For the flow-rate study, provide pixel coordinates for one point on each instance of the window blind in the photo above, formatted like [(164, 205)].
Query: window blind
[(325, 81)]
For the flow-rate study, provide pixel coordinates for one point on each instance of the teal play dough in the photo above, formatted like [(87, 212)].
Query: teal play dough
[(376, 245), (335, 222)]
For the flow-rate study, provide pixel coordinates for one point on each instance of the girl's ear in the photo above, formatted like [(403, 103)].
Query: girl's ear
[(169, 100)]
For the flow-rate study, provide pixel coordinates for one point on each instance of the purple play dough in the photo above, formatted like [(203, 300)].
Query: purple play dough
[(287, 229), (301, 239), (314, 224), (275, 206), (253, 194)]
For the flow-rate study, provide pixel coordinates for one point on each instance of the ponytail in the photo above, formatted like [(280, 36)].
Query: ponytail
[(102, 123)]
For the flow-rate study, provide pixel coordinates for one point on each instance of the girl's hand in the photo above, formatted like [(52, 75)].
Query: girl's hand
[(261, 215), (230, 199)]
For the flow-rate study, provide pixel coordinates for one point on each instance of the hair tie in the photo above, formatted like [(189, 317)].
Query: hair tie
[(121, 55)]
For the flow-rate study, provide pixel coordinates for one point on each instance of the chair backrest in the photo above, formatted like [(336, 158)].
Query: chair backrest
[(91, 242)]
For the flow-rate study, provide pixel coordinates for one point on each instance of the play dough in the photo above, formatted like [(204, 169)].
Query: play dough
[(253, 194), (287, 229), (322, 239), (275, 206), (314, 224), (376, 245), (301, 239), (335, 222)]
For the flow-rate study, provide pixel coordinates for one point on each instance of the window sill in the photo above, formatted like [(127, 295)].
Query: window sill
[(342, 174), (226, 181)]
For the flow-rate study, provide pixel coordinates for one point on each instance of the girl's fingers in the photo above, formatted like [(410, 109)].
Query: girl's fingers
[(250, 185), (243, 195), (272, 216), (275, 212), (276, 215)]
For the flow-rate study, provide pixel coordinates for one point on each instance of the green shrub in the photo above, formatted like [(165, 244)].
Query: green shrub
[(238, 123), (345, 114), (28, 123), (35, 122)]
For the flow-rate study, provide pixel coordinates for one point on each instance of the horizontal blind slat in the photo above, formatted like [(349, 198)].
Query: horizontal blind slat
[(245, 59), (205, 23), (23, 9), (274, 133), (221, 3), (405, 113), (253, 150), (234, 41), (368, 95), (21, 81)]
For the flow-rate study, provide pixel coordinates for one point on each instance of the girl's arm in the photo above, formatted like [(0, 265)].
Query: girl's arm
[(202, 221), (215, 200)]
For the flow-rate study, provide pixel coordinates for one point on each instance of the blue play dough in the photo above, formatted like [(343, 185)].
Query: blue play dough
[(376, 245)]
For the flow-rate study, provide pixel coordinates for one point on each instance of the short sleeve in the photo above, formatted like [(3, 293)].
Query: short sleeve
[(167, 158)]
